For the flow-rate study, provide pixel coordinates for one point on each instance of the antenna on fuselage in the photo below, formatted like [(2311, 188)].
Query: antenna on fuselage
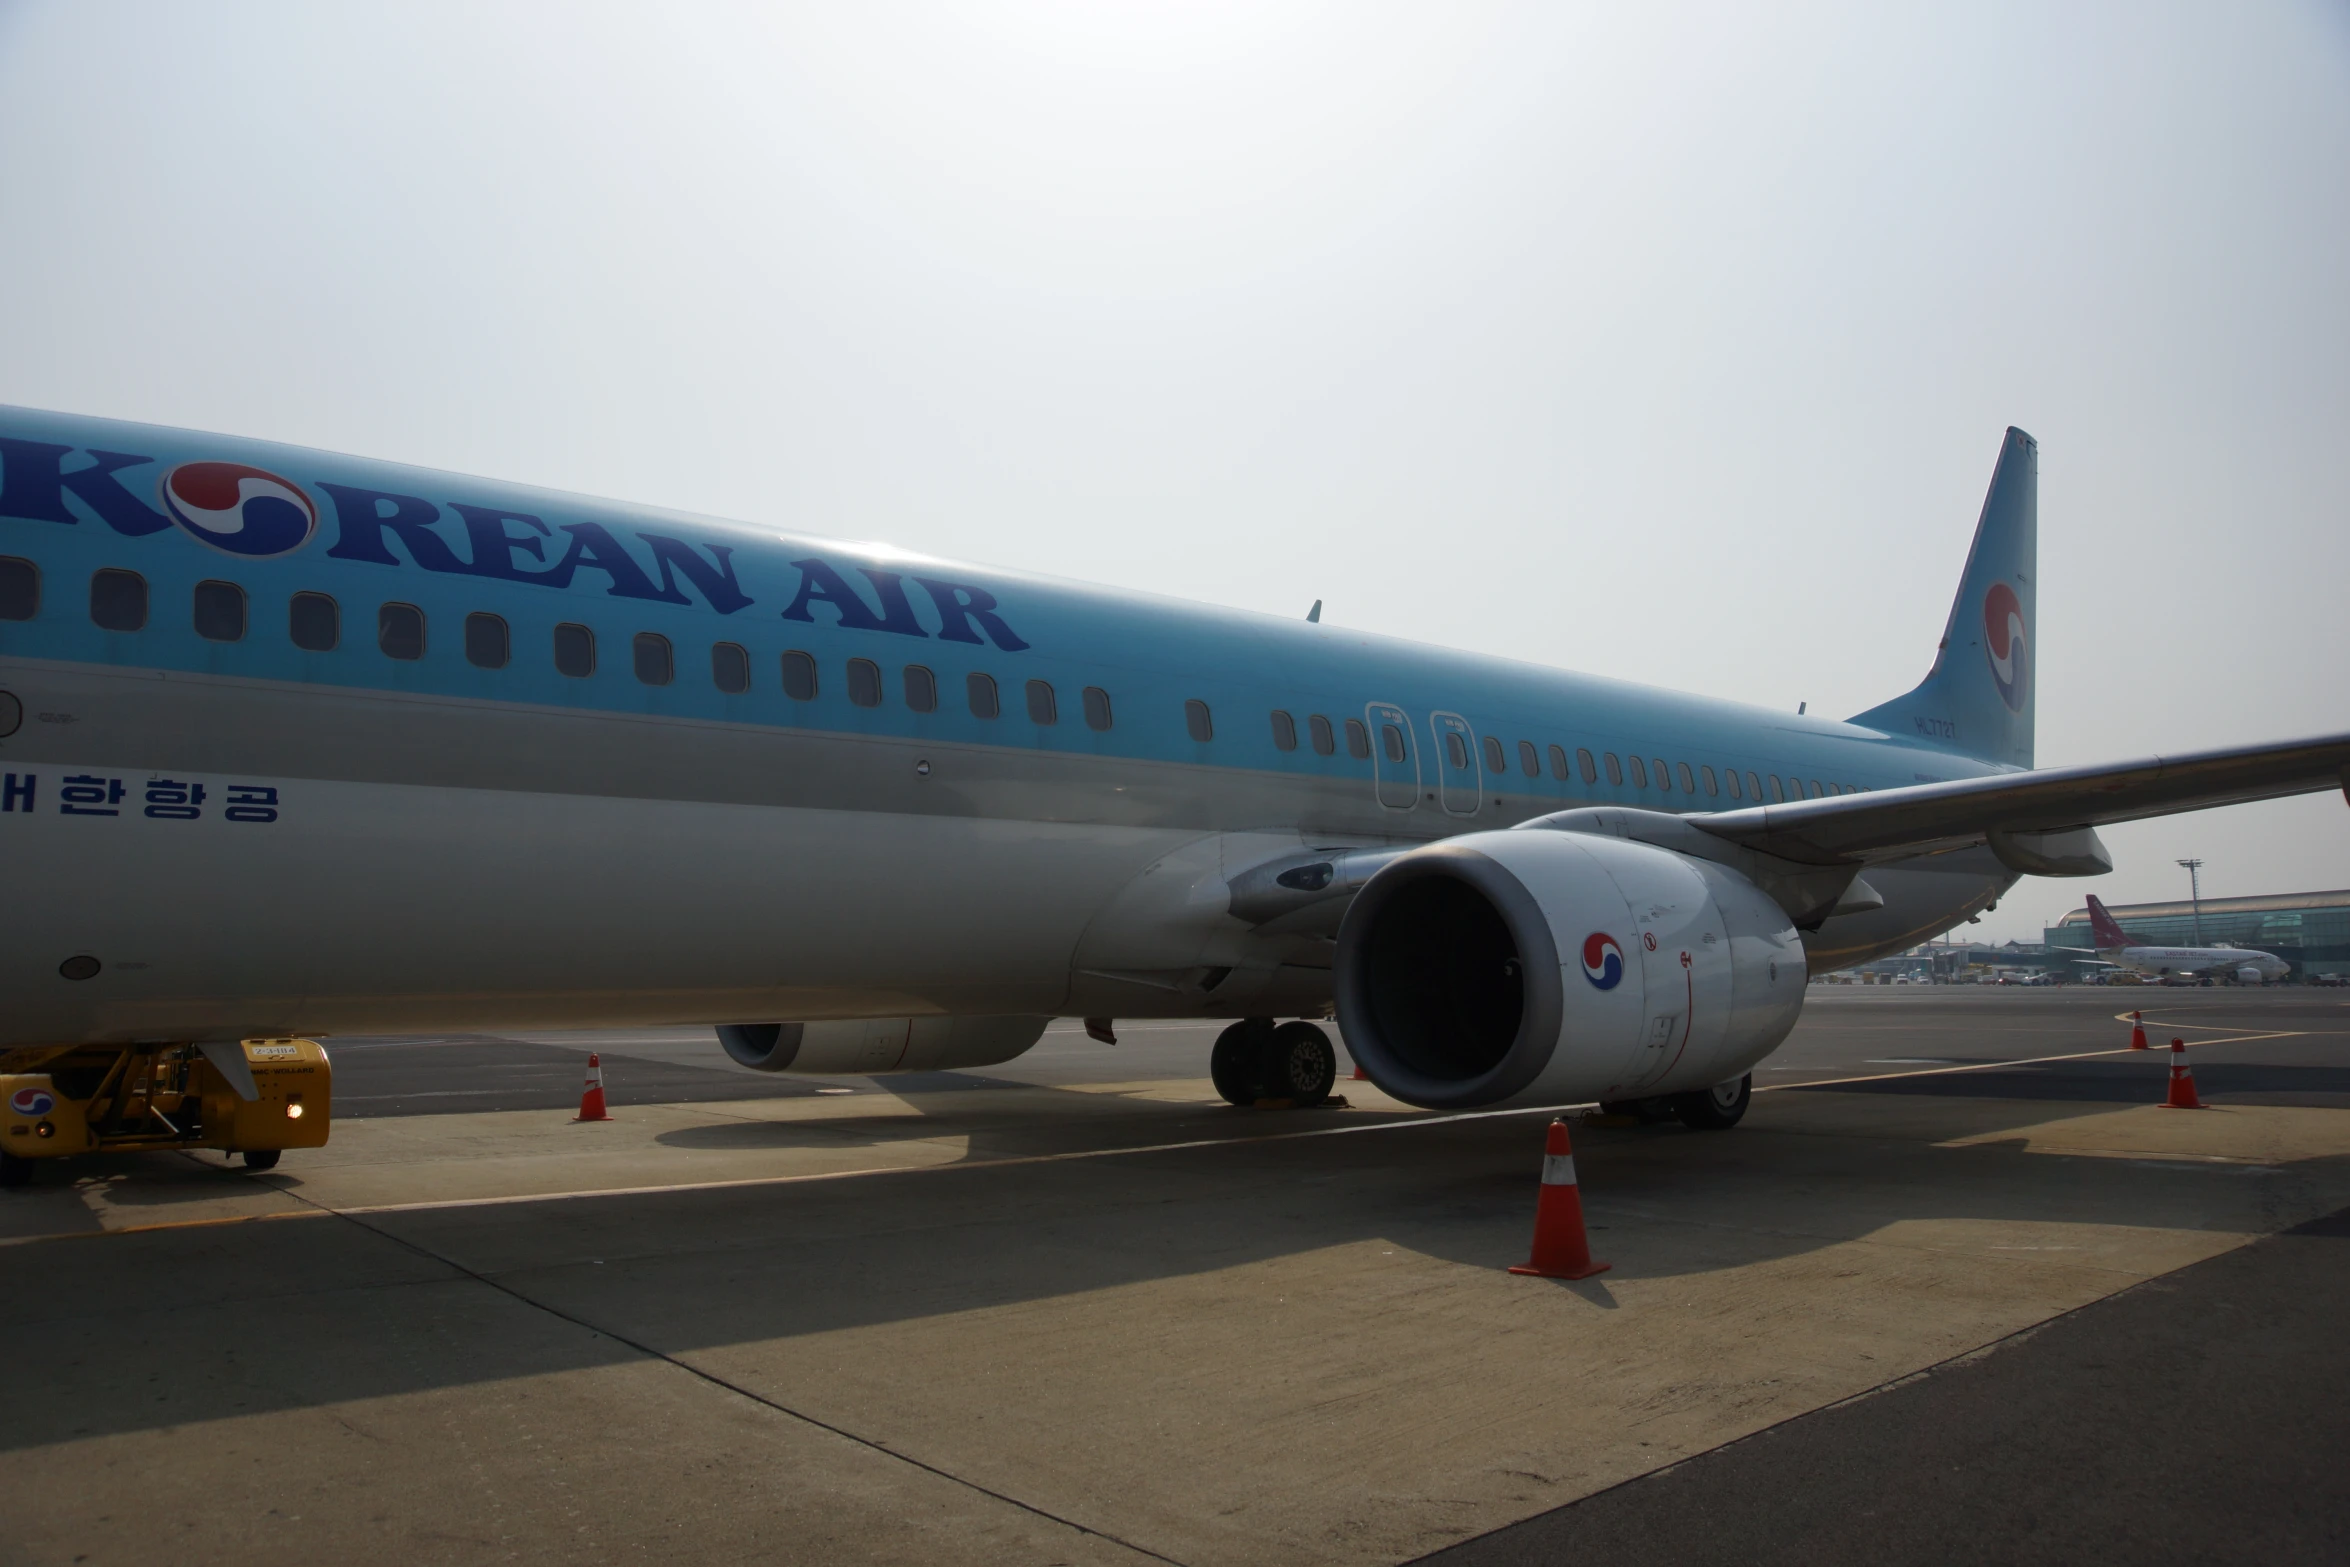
[(1314, 615)]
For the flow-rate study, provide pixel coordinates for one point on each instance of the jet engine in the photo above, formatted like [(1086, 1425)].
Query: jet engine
[(2250, 975), (1538, 966), (867, 1047)]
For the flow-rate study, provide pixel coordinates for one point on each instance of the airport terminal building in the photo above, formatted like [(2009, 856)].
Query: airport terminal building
[(2309, 930)]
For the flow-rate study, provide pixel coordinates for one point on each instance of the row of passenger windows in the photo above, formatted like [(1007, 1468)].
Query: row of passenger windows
[(118, 602), (1741, 786)]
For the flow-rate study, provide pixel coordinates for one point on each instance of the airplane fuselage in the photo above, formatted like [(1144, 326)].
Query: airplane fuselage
[(384, 749)]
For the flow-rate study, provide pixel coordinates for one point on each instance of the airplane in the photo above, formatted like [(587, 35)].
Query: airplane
[(295, 744), (2241, 964)]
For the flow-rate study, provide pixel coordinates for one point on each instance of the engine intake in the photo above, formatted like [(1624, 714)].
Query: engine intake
[(1540, 965)]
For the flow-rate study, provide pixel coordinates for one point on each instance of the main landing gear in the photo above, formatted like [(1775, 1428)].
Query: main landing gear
[(1256, 1061), (1714, 1109)]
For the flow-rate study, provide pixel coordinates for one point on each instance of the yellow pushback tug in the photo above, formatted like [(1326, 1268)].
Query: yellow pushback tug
[(256, 1097)]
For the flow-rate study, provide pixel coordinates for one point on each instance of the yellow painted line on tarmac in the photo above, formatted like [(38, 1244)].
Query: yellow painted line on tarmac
[(321, 1210)]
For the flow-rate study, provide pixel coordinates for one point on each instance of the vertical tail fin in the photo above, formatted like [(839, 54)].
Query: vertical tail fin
[(2104, 929), (1978, 697)]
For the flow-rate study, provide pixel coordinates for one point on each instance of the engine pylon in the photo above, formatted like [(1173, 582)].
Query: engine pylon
[(1561, 1250), (591, 1099), (2182, 1080)]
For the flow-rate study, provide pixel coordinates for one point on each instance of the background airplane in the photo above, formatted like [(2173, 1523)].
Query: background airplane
[(301, 744), (2241, 964)]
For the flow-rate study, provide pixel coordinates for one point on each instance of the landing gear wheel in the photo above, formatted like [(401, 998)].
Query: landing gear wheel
[(1715, 1109), (261, 1158), (1300, 1066), (1237, 1064), (15, 1171)]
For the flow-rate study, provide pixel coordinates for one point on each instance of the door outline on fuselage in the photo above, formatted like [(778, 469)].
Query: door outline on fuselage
[(1396, 790), (1459, 799)]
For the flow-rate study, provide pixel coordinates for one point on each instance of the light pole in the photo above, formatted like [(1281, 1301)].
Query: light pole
[(2194, 869)]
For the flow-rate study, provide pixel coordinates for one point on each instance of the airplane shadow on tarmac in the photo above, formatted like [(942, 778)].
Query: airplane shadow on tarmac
[(182, 1326)]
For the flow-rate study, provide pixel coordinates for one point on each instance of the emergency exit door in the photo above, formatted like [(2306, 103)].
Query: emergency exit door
[(1395, 761)]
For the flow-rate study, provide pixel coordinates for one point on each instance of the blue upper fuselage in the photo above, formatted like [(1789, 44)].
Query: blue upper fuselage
[(179, 509)]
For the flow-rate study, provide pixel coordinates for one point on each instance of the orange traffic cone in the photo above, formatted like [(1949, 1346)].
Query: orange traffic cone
[(2137, 1031), (2182, 1081), (591, 1100), (1360, 1076), (1560, 1249)]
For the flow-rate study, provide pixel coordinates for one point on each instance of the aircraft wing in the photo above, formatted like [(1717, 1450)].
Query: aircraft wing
[(2025, 815)]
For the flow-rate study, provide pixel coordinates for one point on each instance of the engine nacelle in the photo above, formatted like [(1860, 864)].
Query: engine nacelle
[(1543, 966), (2249, 975), (871, 1047)]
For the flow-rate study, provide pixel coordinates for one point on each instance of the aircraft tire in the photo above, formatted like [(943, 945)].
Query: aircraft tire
[(1300, 1066), (1715, 1109), (1237, 1064), (261, 1158), (15, 1171)]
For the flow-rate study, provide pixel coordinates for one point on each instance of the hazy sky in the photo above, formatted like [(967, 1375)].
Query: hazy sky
[(1669, 343)]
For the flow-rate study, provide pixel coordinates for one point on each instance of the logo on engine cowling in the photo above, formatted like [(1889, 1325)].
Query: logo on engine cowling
[(31, 1101), (1603, 961)]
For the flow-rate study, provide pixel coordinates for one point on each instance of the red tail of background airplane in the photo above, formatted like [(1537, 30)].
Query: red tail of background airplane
[(2103, 928)]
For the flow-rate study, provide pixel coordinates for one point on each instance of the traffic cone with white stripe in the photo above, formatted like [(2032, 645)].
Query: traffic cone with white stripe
[(1561, 1251), (2182, 1080), (2137, 1031), (591, 1101)]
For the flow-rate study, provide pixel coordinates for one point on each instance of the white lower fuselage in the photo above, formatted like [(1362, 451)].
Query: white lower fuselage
[(438, 863)]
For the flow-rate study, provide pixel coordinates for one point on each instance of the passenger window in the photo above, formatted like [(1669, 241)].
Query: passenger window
[(1558, 763), (1097, 708), (315, 622), (1325, 743), (1042, 708), (1529, 762), (655, 665), (1814, 790), (575, 651), (1753, 786), (1197, 722), (1585, 766), (1730, 776), (864, 682), (1778, 795), (1688, 784), (921, 688), (730, 668), (1713, 786), (118, 600), (1391, 738), (1358, 740), (1455, 750), (1284, 731), (399, 631), (20, 589), (487, 644), (1615, 770), (799, 676), (985, 703), (1640, 774), (220, 612), (1495, 762)]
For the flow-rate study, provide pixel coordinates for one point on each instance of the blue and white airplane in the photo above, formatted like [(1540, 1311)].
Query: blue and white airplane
[(301, 744)]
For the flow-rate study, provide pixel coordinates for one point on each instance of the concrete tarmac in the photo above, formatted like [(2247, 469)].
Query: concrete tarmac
[(1074, 1309)]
